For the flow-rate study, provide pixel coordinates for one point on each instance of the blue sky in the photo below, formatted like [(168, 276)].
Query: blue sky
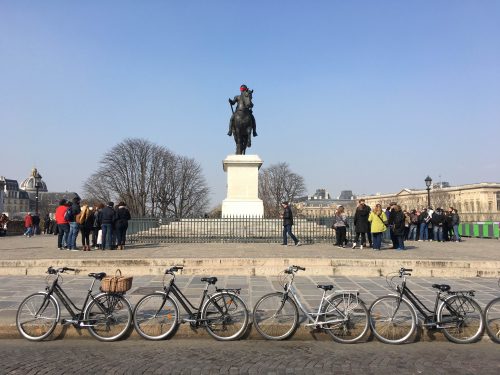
[(370, 96)]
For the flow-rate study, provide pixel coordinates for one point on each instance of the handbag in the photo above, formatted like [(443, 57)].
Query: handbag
[(99, 237)]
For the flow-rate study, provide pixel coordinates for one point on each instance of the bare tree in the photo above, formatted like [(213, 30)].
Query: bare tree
[(150, 179), (277, 184)]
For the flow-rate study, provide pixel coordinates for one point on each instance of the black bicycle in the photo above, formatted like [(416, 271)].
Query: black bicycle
[(393, 318), (107, 316), (492, 318), (223, 314)]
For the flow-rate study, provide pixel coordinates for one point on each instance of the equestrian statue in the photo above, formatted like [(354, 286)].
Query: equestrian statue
[(242, 123)]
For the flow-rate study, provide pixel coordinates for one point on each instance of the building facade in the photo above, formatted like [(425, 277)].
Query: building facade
[(320, 204), (474, 202), (15, 201)]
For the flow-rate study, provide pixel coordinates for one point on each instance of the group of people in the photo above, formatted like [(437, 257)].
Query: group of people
[(101, 226), (426, 224), (31, 225)]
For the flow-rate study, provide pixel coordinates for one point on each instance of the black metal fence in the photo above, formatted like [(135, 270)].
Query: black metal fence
[(231, 229)]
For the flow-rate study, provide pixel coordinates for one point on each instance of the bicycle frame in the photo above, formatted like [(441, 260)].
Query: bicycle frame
[(314, 317), (430, 316)]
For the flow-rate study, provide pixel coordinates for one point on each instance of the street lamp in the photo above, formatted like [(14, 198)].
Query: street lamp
[(428, 183), (38, 178)]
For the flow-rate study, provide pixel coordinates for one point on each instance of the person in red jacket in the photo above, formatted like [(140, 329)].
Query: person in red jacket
[(28, 225), (62, 225)]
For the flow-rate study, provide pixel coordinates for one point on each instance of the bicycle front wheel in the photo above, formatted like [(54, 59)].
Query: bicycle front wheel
[(275, 316), (225, 316), (345, 318), (392, 321), (461, 319), (156, 316), (492, 317), (37, 316), (108, 316)]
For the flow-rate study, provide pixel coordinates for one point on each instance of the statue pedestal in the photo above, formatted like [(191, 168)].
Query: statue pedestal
[(242, 197)]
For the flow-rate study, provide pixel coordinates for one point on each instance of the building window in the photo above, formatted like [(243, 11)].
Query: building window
[(498, 200), (478, 206), (490, 206)]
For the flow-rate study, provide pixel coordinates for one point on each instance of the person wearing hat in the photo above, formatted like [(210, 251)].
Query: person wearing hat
[(287, 217), (244, 103)]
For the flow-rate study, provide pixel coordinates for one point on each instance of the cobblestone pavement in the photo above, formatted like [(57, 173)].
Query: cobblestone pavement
[(245, 357)]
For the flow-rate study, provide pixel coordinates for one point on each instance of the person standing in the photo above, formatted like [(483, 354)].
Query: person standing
[(62, 224), (74, 227), (361, 224), (455, 220), (85, 225), (423, 220), (378, 226), (437, 223), (121, 225), (46, 224), (412, 235), (287, 217), (397, 220), (340, 226), (36, 224), (107, 218), (96, 227), (28, 225)]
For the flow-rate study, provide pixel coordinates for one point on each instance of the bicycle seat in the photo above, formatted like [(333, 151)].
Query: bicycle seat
[(325, 287), (441, 287), (210, 280), (98, 275)]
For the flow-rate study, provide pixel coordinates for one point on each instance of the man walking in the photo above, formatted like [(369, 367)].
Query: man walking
[(287, 217)]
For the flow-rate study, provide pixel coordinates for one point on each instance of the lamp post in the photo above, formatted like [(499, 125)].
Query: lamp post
[(38, 178), (428, 183)]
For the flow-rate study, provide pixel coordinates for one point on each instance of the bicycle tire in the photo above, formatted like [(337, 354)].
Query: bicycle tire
[(225, 316), (391, 321), (109, 316), (352, 318), (37, 327), (156, 317), (466, 328), (492, 319), (274, 317)]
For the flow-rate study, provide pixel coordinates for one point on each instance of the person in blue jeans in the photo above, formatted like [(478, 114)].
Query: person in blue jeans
[(287, 217), (74, 227), (455, 220), (107, 218), (424, 230)]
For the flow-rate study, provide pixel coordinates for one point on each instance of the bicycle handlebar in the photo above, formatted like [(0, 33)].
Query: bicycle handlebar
[(174, 269), (54, 271), (405, 271), (293, 269)]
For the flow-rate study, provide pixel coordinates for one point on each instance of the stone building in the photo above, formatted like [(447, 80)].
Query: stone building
[(15, 200), (320, 204), (474, 202)]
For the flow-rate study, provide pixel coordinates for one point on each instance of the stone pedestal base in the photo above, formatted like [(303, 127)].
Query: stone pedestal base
[(242, 197)]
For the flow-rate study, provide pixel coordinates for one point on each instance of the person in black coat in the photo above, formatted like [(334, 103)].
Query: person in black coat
[(361, 224), (287, 217), (107, 219), (121, 224), (397, 223)]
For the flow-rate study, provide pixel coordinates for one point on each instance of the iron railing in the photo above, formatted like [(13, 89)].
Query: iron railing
[(230, 229)]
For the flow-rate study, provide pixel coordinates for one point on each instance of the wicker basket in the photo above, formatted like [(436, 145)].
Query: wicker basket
[(117, 283)]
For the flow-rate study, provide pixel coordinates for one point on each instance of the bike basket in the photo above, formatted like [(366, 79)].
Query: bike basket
[(117, 283)]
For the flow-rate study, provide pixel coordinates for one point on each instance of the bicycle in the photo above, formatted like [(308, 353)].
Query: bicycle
[(393, 318), (342, 314), (492, 318), (223, 314), (107, 316)]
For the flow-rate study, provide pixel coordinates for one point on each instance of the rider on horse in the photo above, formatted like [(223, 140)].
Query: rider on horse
[(244, 103)]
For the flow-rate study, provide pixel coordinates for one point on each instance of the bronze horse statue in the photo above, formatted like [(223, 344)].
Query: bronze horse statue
[(242, 123), (242, 131)]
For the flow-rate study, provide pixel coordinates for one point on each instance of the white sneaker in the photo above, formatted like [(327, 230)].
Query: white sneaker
[(354, 245), (361, 247)]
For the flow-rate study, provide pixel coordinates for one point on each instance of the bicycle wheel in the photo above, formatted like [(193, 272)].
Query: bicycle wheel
[(345, 317), (275, 316), (37, 316), (461, 319), (108, 316), (492, 319), (156, 317), (225, 315), (392, 321)]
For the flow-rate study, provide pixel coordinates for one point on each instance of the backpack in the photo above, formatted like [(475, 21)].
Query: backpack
[(68, 215)]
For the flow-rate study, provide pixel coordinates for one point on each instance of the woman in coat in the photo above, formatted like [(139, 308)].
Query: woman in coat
[(340, 226), (397, 220), (121, 224), (378, 222), (361, 224)]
